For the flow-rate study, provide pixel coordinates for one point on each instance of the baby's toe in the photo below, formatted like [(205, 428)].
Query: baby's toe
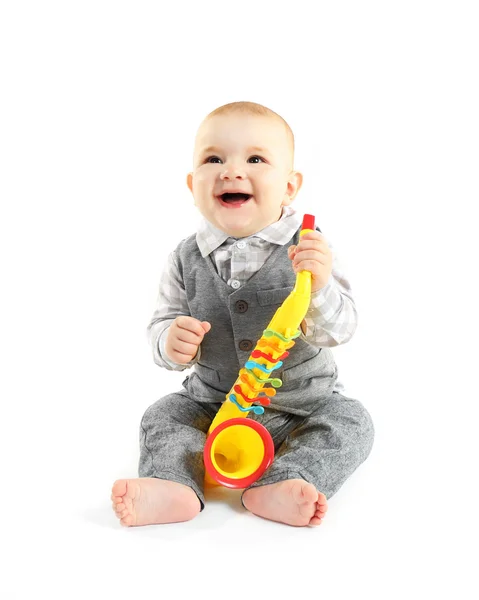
[(119, 488), (127, 521)]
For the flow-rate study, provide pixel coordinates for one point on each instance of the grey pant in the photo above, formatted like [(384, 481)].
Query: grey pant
[(324, 448)]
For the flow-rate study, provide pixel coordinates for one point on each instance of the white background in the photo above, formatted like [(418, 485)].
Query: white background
[(100, 102)]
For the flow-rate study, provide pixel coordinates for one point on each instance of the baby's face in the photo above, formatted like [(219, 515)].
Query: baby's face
[(242, 172)]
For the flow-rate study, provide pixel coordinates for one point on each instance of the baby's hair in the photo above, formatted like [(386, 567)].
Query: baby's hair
[(253, 108)]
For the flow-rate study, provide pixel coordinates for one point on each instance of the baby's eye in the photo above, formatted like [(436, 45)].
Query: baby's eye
[(213, 159), (255, 159)]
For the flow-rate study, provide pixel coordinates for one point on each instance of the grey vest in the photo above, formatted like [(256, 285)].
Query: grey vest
[(238, 319)]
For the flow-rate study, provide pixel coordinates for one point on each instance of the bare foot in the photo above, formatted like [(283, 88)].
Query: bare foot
[(294, 502), (147, 501)]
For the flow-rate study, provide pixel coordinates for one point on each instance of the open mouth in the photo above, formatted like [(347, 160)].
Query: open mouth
[(234, 199)]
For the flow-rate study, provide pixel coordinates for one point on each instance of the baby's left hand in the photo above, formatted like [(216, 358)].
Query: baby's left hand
[(313, 254)]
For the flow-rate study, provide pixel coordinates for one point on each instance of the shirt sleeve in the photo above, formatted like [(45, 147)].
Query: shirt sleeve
[(171, 303), (332, 316)]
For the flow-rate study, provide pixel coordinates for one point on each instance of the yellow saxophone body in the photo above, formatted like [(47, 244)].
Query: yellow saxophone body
[(238, 450)]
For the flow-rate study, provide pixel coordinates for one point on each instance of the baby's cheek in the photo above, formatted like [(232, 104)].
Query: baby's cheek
[(201, 177)]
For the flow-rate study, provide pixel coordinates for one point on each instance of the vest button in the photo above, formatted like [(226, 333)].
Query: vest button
[(245, 345), (241, 306)]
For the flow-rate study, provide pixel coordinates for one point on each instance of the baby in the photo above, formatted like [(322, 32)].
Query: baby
[(218, 292)]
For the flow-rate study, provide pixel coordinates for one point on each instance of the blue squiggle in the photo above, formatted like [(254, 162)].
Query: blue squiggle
[(258, 410), (252, 364)]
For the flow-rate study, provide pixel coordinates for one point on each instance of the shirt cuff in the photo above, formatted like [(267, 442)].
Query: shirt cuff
[(324, 304)]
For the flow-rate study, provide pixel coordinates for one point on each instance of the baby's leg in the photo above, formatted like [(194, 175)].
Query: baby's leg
[(170, 487), (313, 461)]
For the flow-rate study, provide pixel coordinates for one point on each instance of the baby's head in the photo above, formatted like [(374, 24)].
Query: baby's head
[(243, 168)]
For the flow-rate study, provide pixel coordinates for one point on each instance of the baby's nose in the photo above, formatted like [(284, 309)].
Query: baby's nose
[(233, 172)]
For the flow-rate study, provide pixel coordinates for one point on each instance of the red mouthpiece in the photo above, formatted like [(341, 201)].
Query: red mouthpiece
[(308, 222)]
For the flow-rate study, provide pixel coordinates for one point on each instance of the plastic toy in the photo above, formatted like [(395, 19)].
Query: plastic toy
[(238, 450)]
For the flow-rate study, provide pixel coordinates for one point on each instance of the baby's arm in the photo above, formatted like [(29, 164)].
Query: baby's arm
[(174, 335), (332, 316)]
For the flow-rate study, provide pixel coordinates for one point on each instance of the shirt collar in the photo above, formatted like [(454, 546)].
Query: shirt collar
[(209, 237)]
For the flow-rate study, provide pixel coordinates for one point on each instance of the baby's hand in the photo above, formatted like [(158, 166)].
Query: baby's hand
[(184, 336), (313, 254)]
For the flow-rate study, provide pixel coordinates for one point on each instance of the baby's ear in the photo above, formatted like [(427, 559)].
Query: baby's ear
[(295, 181), (189, 181)]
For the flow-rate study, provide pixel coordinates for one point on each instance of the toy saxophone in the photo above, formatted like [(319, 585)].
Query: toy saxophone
[(238, 450)]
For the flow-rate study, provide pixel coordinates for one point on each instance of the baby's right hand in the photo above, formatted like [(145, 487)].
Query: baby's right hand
[(184, 336)]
